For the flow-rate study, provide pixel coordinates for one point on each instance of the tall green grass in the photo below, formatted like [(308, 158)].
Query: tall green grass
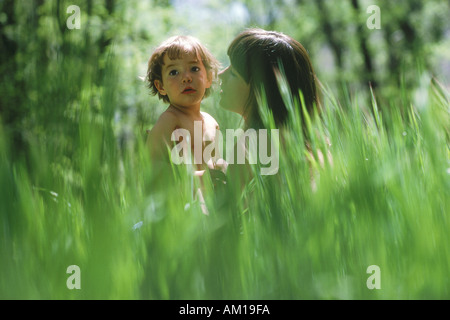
[(137, 232)]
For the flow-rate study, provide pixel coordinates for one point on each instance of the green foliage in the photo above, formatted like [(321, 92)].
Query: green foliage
[(77, 186)]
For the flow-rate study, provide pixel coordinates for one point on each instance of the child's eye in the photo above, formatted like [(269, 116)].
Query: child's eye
[(195, 69), (173, 73)]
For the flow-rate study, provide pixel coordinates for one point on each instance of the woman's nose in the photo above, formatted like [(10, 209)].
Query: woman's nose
[(221, 73)]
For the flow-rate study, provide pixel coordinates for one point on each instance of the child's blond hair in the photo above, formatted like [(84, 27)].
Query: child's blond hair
[(175, 47)]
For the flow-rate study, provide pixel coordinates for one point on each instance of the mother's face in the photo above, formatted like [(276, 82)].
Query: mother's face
[(235, 91)]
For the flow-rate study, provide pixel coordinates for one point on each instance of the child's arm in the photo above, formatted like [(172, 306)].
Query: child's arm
[(159, 136)]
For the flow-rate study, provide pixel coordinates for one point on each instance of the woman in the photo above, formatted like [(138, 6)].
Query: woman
[(260, 61), (257, 59)]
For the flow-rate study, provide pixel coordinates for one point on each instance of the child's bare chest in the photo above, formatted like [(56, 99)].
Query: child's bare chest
[(199, 130)]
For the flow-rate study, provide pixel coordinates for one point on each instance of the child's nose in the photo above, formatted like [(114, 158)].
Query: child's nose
[(187, 77)]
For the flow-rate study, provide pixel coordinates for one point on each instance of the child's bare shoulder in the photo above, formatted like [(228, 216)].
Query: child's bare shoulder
[(168, 118), (166, 123), (209, 120), (210, 126), (169, 115)]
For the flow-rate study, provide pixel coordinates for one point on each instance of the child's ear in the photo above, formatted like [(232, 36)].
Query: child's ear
[(159, 86)]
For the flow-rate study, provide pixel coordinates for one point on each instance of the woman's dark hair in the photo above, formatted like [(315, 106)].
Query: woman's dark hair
[(257, 54)]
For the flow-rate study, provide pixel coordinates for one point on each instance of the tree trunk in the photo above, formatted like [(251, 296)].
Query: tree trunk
[(362, 40), (336, 47)]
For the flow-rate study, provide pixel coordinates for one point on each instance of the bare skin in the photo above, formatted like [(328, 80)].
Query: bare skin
[(184, 81)]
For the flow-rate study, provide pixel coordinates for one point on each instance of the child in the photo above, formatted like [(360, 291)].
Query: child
[(181, 71)]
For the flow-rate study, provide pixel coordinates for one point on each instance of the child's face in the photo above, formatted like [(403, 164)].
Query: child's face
[(184, 80)]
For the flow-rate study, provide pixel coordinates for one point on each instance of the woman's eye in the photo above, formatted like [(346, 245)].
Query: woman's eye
[(173, 73)]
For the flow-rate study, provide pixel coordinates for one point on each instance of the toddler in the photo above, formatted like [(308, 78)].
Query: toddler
[(181, 72)]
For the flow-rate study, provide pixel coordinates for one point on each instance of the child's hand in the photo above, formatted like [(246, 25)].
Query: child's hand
[(220, 164)]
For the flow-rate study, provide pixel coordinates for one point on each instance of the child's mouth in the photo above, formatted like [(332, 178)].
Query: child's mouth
[(188, 90)]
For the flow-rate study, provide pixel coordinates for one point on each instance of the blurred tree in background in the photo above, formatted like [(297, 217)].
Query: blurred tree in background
[(46, 69)]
